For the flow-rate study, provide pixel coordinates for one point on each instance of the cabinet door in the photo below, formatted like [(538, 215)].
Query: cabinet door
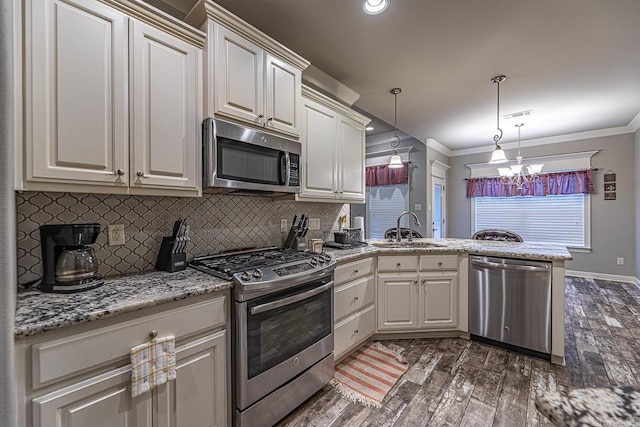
[(319, 151), (438, 300), (283, 94), (239, 77), (102, 401), (397, 301), (76, 93), (351, 137), (197, 398), (165, 80)]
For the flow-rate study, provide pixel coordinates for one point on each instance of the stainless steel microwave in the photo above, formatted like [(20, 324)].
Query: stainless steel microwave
[(241, 160)]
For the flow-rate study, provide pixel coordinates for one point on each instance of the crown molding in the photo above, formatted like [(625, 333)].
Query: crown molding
[(319, 97), (439, 147), (207, 9), (634, 124), (545, 141)]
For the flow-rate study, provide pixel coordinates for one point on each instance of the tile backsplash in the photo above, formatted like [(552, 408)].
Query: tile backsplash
[(218, 222)]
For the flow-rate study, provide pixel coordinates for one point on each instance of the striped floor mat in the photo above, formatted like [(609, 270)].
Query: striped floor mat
[(367, 375)]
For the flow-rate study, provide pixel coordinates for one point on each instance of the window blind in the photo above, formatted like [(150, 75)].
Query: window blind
[(556, 219), (385, 204)]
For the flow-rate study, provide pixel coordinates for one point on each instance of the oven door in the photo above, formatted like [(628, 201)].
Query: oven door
[(281, 335)]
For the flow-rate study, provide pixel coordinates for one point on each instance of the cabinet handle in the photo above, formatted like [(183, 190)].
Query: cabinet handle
[(153, 334), (506, 328), (269, 119), (120, 172), (140, 174)]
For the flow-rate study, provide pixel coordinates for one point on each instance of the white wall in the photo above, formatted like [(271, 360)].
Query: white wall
[(613, 223), (637, 197)]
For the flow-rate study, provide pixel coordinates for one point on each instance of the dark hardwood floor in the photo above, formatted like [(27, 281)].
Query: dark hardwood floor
[(452, 382)]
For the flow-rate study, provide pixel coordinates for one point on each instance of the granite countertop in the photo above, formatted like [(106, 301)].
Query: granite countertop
[(529, 250), (38, 312)]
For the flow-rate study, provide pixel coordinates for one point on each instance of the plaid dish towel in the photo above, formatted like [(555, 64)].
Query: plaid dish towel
[(152, 364)]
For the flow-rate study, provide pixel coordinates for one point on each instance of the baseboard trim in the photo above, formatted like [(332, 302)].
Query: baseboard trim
[(603, 276)]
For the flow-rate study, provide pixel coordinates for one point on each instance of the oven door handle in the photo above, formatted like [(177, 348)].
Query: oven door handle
[(290, 300)]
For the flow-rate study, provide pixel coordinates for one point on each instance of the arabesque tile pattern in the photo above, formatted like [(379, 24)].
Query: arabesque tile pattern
[(218, 223)]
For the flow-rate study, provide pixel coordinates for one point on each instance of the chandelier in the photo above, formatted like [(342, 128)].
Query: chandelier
[(498, 155), (515, 175), (395, 162)]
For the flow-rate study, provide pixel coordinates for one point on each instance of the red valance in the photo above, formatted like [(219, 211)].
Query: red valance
[(384, 175), (548, 184)]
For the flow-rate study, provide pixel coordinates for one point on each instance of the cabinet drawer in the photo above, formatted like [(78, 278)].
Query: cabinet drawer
[(398, 263), (353, 270), (353, 331), (55, 359), (353, 296), (438, 262)]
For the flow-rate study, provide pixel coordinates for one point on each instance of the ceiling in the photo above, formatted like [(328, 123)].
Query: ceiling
[(575, 63)]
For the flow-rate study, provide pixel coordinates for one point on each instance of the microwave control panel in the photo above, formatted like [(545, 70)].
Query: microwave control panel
[(294, 170)]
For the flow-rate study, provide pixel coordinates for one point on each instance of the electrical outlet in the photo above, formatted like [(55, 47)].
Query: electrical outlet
[(283, 225), (115, 233), (417, 207), (620, 261), (314, 224)]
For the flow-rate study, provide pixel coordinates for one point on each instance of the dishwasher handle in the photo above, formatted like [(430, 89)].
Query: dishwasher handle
[(500, 266)]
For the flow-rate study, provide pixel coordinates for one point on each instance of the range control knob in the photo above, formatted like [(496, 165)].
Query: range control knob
[(314, 261), (245, 276), (326, 257), (320, 259), (257, 273)]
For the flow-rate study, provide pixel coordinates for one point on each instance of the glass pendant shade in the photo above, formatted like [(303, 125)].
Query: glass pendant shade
[(395, 162), (498, 156), (516, 169), (535, 169), (505, 172)]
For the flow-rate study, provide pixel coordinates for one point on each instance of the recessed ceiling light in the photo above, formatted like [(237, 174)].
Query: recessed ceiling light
[(369, 128), (373, 7)]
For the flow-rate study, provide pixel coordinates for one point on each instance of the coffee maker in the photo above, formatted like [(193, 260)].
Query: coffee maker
[(69, 264)]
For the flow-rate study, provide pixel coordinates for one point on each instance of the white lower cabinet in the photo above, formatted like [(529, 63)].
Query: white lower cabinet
[(101, 401), (97, 392), (417, 293), (354, 305)]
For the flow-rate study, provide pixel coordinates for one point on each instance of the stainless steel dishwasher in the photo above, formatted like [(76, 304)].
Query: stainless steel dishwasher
[(510, 303)]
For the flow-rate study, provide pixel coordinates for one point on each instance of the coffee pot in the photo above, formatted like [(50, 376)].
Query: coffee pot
[(69, 264)]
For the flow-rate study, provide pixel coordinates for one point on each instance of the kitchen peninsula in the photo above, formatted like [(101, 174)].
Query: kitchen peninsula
[(194, 307)]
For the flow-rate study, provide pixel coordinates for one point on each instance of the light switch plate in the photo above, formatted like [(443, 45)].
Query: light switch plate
[(314, 224), (283, 225), (417, 207)]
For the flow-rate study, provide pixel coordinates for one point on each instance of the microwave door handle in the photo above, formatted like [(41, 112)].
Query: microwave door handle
[(285, 168), (290, 300)]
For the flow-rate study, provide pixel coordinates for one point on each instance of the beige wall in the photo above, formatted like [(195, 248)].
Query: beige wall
[(613, 223), (637, 198)]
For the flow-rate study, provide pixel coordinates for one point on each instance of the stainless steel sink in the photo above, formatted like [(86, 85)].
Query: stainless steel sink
[(417, 244)]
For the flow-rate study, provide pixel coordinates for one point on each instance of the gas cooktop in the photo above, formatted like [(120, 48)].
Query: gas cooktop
[(254, 261)]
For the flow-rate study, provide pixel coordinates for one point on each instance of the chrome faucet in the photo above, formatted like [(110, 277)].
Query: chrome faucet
[(398, 235)]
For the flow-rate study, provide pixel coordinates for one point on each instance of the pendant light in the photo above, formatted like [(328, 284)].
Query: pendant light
[(498, 155), (395, 162)]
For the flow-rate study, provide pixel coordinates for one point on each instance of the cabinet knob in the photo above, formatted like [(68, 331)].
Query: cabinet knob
[(120, 172), (355, 271), (356, 331), (140, 174), (355, 298), (398, 265), (506, 328), (440, 264), (415, 282), (424, 281), (153, 334), (269, 119)]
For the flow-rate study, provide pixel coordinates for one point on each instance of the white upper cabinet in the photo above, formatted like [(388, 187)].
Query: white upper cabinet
[(76, 109), (238, 77), (249, 77), (333, 145), (165, 124), (106, 97)]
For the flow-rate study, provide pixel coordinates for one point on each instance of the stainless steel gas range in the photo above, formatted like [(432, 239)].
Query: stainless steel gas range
[(282, 321)]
